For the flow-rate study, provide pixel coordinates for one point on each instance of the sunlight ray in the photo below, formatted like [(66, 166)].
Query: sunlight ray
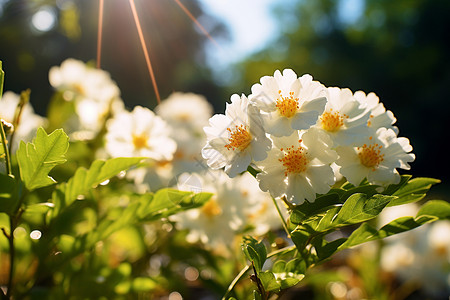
[(144, 48), (205, 32), (100, 32)]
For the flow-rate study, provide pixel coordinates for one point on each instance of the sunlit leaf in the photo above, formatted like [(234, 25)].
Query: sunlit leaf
[(84, 180), (414, 190), (166, 202), (357, 209), (38, 158), (437, 208), (143, 284)]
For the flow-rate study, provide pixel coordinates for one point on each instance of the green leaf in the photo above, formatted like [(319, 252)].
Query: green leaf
[(254, 251), (143, 284), (38, 158), (429, 212), (414, 190), (256, 295), (8, 194), (84, 180), (357, 209), (269, 281), (166, 202), (437, 208), (306, 209)]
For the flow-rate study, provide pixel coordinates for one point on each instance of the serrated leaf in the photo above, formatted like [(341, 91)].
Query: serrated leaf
[(38, 158), (84, 180), (254, 251), (413, 191)]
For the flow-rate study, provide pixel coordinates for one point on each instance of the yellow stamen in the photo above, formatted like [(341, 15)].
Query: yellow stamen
[(140, 141), (332, 120), (287, 106), (211, 208), (240, 138), (294, 160), (370, 155)]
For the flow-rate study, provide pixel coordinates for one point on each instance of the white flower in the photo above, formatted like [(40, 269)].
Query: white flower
[(379, 116), (298, 166), (139, 133), (77, 80), (344, 119), (236, 138), (222, 217), (375, 158), (289, 103), (29, 121)]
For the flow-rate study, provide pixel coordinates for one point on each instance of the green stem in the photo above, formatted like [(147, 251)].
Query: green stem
[(12, 255), (247, 267), (2, 77), (283, 221), (5, 149)]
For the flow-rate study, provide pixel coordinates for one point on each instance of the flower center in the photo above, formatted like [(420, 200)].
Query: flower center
[(332, 120), (239, 138), (140, 141), (287, 106), (211, 209), (370, 155), (79, 89), (294, 160)]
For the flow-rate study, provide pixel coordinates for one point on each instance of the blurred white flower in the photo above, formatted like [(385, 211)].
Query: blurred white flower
[(344, 119), (421, 255), (298, 166), (379, 116), (29, 121), (222, 217), (235, 139), (185, 110), (289, 103), (186, 114), (94, 94), (376, 158), (260, 210), (78, 81), (139, 133)]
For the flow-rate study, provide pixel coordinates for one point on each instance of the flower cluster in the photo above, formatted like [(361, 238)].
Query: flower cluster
[(95, 96), (301, 136)]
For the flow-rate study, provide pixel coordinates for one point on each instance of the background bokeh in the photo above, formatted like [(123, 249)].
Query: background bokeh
[(397, 49)]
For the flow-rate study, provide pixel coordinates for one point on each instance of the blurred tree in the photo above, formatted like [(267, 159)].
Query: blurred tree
[(397, 49), (30, 44)]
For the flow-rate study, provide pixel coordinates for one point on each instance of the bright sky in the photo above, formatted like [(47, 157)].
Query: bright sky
[(250, 24)]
